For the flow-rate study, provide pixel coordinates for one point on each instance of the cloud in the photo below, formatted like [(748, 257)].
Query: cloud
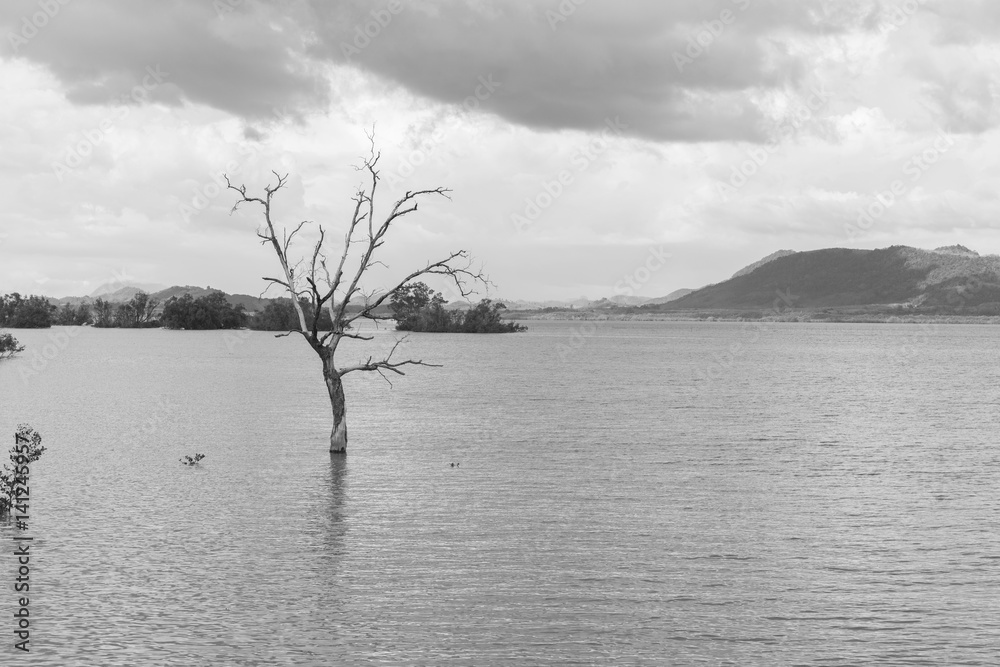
[(949, 52), (246, 63), (679, 71), (968, 102), (817, 106), (964, 21)]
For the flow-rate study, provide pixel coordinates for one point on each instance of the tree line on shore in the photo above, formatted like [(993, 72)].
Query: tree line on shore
[(212, 311), (415, 307)]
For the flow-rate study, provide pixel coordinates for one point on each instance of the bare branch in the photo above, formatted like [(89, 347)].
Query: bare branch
[(375, 237), (462, 276), (289, 237), (281, 250), (277, 282), (387, 363), (384, 377), (355, 336)]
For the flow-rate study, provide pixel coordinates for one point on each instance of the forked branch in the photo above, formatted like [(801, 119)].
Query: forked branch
[(386, 364), (464, 277), (311, 280), (270, 236)]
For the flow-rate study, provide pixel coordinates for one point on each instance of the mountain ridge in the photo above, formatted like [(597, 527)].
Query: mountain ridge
[(750, 268), (126, 292), (946, 277), (949, 277)]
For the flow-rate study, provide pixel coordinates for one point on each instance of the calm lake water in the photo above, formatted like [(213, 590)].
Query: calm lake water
[(629, 493)]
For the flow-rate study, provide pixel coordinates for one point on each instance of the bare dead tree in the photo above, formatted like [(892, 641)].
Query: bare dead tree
[(337, 286)]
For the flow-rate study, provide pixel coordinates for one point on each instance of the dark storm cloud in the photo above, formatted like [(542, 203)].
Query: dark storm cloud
[(671, 70), (682, 70), (241, 61)]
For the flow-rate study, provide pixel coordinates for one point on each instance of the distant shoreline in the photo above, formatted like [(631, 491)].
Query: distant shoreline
[(786, 316)]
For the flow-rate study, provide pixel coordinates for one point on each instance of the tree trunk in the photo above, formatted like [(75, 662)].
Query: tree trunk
[(334, 385)]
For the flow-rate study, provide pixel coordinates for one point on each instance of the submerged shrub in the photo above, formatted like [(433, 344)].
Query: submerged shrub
[(192, 460), (9, 345), (14, 475)]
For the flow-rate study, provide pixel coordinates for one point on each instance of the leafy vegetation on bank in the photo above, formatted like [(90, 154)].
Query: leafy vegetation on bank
[(36, 312), (33, 312), (70, 316), (9, 346), (416, 307), (136, 313), (279, 315), (206, 312), (214, 310)]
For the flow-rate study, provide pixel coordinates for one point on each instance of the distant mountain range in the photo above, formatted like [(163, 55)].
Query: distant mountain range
[(943, 278), (584, 303), (110, 288), (947, 277), (673, 296), (123, 294)]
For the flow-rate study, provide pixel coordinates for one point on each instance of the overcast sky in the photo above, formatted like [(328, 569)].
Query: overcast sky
[(584, 139)]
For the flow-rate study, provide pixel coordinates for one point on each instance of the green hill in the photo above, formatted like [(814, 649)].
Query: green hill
[(946, 279), (252, 304)]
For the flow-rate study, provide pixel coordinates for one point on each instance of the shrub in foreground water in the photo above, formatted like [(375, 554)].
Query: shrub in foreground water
[(9, 345), (26, 450)]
